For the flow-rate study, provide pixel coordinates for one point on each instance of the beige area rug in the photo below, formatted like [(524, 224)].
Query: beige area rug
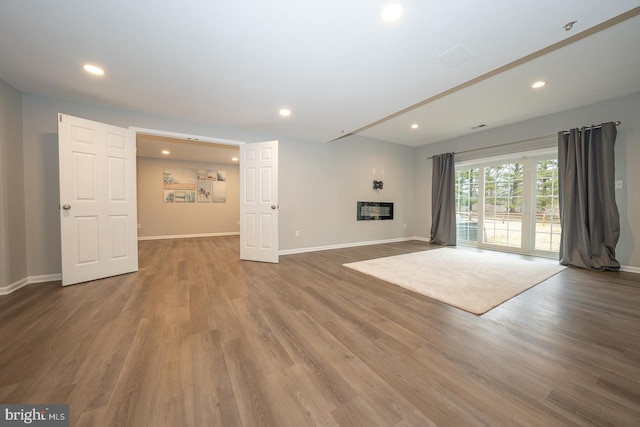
[(472, 281)]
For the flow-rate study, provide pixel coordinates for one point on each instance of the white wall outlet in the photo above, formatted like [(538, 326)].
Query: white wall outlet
[(619, 184), (297, 233), (374, 171)]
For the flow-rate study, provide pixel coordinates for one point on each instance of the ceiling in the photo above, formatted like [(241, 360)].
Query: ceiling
[(181, 149), (446, 66)]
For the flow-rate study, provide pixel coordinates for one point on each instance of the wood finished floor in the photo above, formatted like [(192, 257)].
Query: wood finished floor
[(199, 338)]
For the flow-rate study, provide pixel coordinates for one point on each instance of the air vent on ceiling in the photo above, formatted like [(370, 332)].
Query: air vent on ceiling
[(456, 55)]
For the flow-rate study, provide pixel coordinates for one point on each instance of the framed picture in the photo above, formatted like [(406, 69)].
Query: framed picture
[(205, 192), (179, 184)]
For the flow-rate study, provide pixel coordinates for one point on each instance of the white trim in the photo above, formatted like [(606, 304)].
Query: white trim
[(6, 290), (629, 269), (187, 236), (199, 138), (345, 245), (45, 278), (517, 156)]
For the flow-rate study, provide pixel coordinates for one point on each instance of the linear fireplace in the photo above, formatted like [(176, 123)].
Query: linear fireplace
[(372, 211)]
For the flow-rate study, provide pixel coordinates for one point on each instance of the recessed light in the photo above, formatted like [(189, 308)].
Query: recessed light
[(285, 112), (165, 152), (414, 126), (391, 12), (538, 84), (234, 159), (93, 69)]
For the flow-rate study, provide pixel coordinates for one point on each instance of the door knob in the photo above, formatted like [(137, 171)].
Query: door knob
[(274, 206), (66, 207)]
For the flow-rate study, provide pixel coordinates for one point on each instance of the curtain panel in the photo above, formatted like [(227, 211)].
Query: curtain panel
[(443, 206), (588, 212)]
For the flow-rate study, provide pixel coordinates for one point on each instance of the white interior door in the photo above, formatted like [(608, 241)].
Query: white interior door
[(98, 217), (259, 201)]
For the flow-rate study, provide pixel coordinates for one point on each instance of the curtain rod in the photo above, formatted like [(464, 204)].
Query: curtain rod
[(537, 138), (617, 123)]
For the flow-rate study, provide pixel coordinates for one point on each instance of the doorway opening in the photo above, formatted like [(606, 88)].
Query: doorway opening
[(257, 194), (206, 200)]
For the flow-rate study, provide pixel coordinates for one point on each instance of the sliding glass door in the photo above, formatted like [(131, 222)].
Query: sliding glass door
[(510, 205)]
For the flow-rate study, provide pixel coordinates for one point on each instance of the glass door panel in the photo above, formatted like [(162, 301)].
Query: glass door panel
[(547, 223), (467, 201), (503, 208)]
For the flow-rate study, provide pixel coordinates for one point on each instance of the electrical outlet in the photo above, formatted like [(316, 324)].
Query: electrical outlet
[(297, 233), (619, 185)]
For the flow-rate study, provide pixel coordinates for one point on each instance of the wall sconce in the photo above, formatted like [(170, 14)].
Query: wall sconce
[(377, 185)]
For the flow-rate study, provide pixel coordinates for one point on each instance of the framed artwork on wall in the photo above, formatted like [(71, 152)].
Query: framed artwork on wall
[(205, 192), (179, 184)]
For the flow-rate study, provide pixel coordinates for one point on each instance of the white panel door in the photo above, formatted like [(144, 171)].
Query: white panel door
[(259, 201), (98, 216)]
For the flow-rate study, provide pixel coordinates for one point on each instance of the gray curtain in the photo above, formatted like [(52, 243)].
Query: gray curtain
[(443, 206), (588, 211)]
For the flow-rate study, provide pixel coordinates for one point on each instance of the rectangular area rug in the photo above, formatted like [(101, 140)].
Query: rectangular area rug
[(472, 281)]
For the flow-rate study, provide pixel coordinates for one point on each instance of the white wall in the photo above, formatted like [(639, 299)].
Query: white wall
[(320, 184), (178, 219), (627, 150), (13, 254)]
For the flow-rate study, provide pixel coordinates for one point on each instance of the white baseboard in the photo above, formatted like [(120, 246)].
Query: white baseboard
[(344, 245), (45, 278), (6, 290), (630, 269), (186, 236)]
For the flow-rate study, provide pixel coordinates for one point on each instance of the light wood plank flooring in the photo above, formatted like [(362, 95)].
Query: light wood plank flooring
[(199, 338)]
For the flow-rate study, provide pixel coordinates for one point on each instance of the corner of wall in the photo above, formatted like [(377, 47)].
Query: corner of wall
[(12, 219)]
